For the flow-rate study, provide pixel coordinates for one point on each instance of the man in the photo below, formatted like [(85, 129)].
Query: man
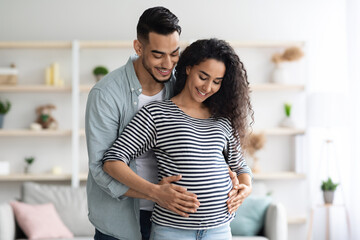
[(113, 101)]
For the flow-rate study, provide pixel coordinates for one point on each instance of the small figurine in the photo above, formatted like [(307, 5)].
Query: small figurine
[(44, 117)]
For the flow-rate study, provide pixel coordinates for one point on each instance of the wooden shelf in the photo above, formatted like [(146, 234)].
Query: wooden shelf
[(82, 132), (253, 87), (276, 87), (37, 44), (21, 177), (32, 133), (114, 44), (329, 205), (129, 44), (296, 220), (279, 176), (281, 131), (267, 44), (86, 88), (33, 88), (105, 44)]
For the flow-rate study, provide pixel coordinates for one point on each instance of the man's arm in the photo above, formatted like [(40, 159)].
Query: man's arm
[(169, 196), (101, 124)]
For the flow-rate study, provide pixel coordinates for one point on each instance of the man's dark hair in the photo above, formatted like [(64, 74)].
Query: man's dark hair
[(159, 20)]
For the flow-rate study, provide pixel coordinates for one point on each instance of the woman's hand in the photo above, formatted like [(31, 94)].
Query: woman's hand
[(239, 192)]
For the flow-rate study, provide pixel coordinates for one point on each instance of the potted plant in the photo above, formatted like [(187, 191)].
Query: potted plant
[(287, 121), (99, 72), (28, 161), (328, 187), (4, 108)]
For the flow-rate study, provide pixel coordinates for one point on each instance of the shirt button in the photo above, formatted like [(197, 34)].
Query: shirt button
[(132, 89), (140, 90), (135, 103)]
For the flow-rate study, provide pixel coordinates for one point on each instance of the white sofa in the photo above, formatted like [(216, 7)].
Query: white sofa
[(275, 225), (71, 206)]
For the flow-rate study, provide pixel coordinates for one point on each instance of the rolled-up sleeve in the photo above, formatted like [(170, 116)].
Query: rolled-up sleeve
[(138, 137), (101, 126), (236, 158)]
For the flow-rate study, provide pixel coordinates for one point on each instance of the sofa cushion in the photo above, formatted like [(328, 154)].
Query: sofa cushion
[(250, 216), (40, 221), (7, 226), (249, 238), (70, 203)]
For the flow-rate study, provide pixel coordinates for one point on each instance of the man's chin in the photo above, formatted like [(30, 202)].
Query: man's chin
[(160, 80)]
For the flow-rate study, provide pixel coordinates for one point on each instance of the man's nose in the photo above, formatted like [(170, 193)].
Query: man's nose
[(167, 63)]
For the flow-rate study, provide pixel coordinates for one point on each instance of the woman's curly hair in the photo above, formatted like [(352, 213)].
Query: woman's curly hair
[(232, 101)]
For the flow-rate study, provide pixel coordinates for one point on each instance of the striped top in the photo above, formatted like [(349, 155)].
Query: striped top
[(194, 148)]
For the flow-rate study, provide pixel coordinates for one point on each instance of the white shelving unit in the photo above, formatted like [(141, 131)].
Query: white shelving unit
[(31, 133), (279, 176), (48, 177), (75, 89)]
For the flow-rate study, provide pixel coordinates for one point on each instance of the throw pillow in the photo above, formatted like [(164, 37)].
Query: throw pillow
[(250, 216), (70, 203), (40, 221)]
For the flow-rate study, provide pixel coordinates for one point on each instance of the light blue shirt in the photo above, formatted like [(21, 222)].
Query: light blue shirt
[(111, 104)]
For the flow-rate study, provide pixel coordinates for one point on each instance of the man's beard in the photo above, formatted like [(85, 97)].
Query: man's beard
[(152, 75)]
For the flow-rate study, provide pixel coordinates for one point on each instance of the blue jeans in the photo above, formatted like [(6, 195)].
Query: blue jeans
[(159, 232), (145, 224), (101, 236)]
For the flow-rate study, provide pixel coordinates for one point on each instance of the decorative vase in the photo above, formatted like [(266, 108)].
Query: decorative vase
[(287, 122), (99, 77), (328, 196), (2, 116), (279, 74), (27, 169), (255, 167)]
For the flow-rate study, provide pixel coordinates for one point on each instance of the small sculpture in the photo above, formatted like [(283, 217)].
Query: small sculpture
[(256, 142), (44, 117)]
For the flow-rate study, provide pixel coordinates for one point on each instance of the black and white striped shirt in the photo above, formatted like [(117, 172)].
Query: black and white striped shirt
[(194, 148)]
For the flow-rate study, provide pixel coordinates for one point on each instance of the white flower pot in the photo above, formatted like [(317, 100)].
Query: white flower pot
[(287, 122), (279, 74), (328, 196)]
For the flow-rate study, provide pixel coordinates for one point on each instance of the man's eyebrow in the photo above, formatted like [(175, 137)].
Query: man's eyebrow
[(177, 49), (220, 78), (160, 52), (156, 51)]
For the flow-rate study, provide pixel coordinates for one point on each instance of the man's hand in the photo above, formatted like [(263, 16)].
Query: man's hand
[(238, 194), (175, 198)]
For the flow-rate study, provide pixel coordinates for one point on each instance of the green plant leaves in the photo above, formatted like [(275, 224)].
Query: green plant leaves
[(329, 185)]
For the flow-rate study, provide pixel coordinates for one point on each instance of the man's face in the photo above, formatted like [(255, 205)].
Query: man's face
[(160, 55)]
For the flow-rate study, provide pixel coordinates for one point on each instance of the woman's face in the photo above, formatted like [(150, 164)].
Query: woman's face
[(204, 80)]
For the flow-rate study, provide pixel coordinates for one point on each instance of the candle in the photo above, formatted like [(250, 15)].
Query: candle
[(48, 76), (55, 67)]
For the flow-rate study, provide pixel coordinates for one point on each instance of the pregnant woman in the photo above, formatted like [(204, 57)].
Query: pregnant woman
[(196, 134)]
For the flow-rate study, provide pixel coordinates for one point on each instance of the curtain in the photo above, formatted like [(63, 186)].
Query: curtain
[(352, 189)]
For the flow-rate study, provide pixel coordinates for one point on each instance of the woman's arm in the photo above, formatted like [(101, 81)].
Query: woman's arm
[(138, 137), (240, 174)]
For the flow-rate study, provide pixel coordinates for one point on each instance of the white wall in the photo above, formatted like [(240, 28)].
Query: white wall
[(321, 23)]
